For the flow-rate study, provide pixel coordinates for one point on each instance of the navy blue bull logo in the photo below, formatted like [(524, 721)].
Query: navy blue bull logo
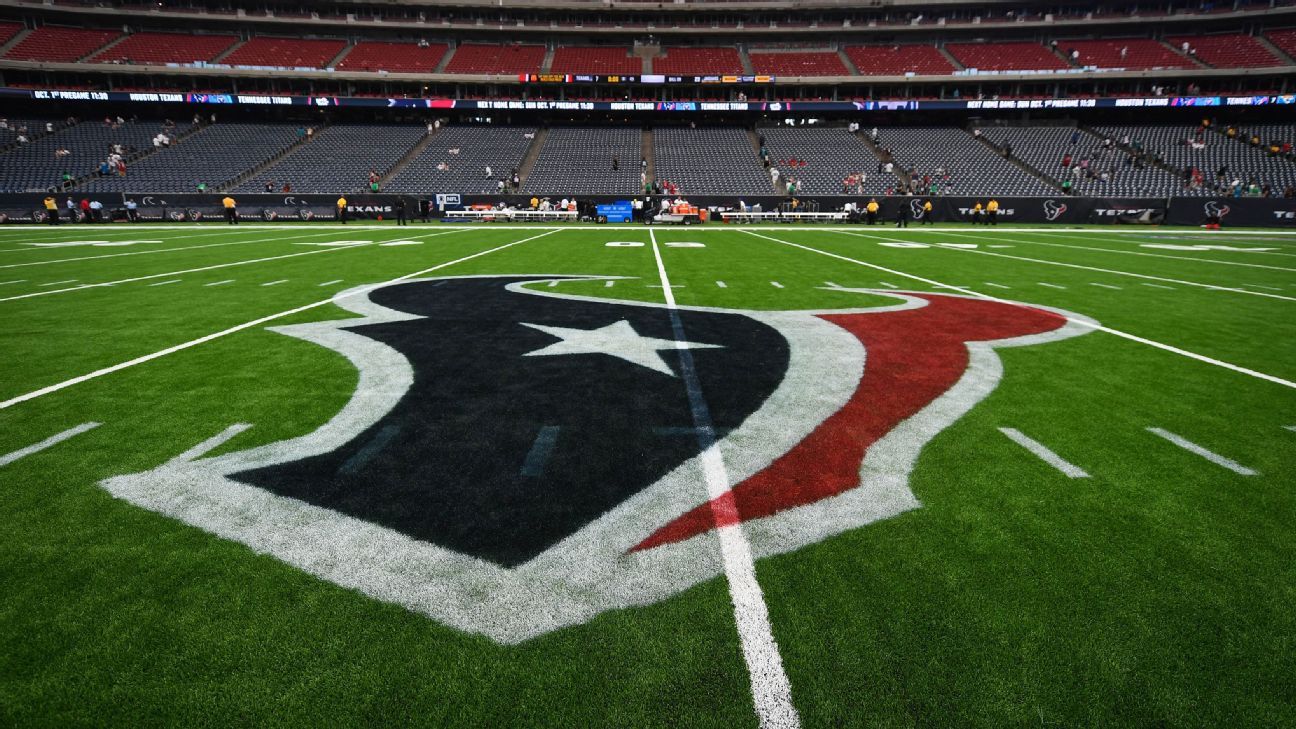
[(514, 460)]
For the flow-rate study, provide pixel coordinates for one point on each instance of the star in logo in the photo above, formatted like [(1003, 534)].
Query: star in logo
[(616, 340)]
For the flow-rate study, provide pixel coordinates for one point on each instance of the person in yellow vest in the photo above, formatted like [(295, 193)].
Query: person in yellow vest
[(342, 209), (992, 211), (871, 211), (976, 213), (51, 210), (535, 202), (231, 210), (927, 212)]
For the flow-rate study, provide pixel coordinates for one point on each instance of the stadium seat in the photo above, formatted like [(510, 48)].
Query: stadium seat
[(34, 166), (1284, 40), (495, 59), (160, 48), (595, 60), (578, 160), (1233, 50), (897, 60), (285, 52), (1017, 56), (1243, 161), (973, 168), (56, 44), (339, 159), (709, 160), (500, 147), (1140, 53), (798, 63), (830, 154), (699, 61), (395, 57)]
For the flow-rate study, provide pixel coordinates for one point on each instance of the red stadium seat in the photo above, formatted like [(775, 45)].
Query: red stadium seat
[(897, 60), (397, 57), (810, 63), (699, 61), (496, 59), (595, 60), (1140, 53), (289, 52), (1016, 56), (156, 48), (51, 43), (1229, 51)]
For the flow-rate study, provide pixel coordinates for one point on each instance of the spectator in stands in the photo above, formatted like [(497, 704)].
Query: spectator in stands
[(643, 163), (269, 186), (342, 209), (231, 210), (51, 210), (1066, 187), (202, 187), (517, 180), (488, 172), (287, 187), (499, 187), (1289, 192), (616, 164), (774, 176)]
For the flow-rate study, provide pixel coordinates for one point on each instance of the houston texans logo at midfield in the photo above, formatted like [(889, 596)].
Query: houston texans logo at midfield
[(515, 460)]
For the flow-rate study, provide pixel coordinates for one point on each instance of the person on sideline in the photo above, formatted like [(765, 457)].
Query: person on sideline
[(51, 210), (342, 209), (231, 211)]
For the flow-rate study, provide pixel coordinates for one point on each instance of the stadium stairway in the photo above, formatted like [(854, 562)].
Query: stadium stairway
[(847, 62), (225, 53), (533, 151), (1049, 180), (646, 152), (1260, 38), (411, 154), (15, 40), (133, 158), (234, 183), (335, 60), (1127, 149), (1191, 58), (746, 59), (445, 60), (546, 64), (958, 66), (868, 142), (115, 42)]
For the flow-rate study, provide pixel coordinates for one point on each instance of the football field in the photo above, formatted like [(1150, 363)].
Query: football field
[(617, 476)]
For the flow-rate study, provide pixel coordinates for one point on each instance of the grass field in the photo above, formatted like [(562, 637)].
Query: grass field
[(1104, 538)]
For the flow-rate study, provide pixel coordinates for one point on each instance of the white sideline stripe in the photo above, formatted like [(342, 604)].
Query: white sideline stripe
[(776, 284), (1052, 286), (771, 691), (330, 283), (722, 284), (275, 283), (1098, 327), (220, 283), (1044, 453), (998, 286), (249, 324), (159, 250), (164, 283), (50, 441), (1209, 455), (56, 283), (1129, 253), (1092, 268), (1157, 286), (1106, 286), (175, 273)]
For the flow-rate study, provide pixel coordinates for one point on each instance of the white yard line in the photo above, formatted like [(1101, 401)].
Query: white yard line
[(1044, 453), (1114, 332), (187, 270), (1126, 253), (248, 325), (159, 250), (1095, 268), (771, 690), (50, 441), (1209, 455)]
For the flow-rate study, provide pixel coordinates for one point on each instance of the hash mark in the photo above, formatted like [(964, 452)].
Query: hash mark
[(721, 284), (1052, 286), (541, 449), (275, 283), (831, 285), (1158, 286), (888, 285), (330, 283), (1209, 455), (1106, 286), (164, 283), (998, 286), (553, 284), (776, 284), (6, 283), (1046, 454), (608, 284), (59, 283), (220, 283), (50, 441)]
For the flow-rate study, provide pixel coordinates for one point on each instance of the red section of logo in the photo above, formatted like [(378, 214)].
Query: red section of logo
[(913, 357)]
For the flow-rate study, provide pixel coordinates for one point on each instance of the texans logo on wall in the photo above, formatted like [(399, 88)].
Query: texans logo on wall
[(1216, 209), (514, 460), (1053, 209)]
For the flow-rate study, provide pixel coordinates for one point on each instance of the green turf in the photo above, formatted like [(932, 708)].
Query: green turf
[(1156, 593)]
